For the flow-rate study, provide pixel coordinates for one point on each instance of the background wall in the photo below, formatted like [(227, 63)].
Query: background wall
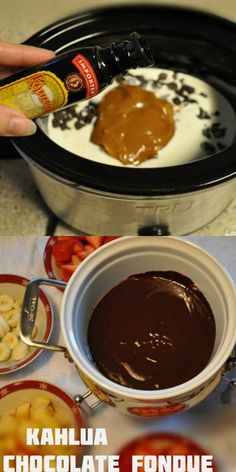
[(21, 18)]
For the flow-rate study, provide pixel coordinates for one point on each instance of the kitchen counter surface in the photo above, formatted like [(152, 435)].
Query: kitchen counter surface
[(22, 209)]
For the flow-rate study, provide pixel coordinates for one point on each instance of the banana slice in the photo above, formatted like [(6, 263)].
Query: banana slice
[(2, 333), (6, 303), (16, 330), (11, 340), (18, 305), (20, 351), (4, 325), (5, 352), (6, 314), (14, 318)]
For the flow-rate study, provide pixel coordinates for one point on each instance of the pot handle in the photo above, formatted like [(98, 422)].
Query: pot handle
[(29, 314)]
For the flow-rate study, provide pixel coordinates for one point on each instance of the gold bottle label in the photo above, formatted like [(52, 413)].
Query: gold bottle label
[(35, 95)]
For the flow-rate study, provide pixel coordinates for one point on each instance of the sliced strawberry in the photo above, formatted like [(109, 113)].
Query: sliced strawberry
[(66, 277), (78, 247), (75, 260), (68, 268), (85, 252), (107, 239), (95, 241), (64, 238), (62, 251)]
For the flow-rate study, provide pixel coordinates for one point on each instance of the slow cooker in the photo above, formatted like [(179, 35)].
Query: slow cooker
[(178, 199)]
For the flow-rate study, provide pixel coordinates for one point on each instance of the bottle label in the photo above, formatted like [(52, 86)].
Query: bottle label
[(35, 95), (87, 74)]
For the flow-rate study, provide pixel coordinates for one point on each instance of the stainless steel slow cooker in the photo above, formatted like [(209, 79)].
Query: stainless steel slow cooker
[(97, 198)]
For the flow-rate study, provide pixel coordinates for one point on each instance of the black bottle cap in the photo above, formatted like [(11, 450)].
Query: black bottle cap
[(139, 50)]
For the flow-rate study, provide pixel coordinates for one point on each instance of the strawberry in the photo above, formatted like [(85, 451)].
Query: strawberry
[(85, 252), (95, 241), (63, 238), (66, 277), (107, 239), (75, 260), (62, 251), (78, 247), (68, 268)]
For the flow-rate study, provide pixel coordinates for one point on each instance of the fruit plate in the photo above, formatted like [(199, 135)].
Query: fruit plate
[(166, 444), (14, 353), (36, 404), (63, 254)]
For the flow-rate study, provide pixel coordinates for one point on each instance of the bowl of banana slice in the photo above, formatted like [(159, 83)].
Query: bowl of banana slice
[(14, 353)]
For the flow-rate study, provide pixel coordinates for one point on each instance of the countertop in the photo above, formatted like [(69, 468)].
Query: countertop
[(22, 210)]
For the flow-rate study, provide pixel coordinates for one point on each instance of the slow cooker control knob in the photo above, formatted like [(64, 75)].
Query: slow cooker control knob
[(154, 230)]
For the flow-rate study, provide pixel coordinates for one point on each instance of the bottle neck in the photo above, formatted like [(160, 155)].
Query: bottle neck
[(118, 58), (114, 60)]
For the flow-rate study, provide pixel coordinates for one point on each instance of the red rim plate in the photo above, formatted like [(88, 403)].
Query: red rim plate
[(141, 443), (44, 386), (47, 257), (23, 281), (48, 260)]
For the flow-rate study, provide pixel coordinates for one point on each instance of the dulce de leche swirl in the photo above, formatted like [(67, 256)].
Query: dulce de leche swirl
[(152, 331), (133, 124)]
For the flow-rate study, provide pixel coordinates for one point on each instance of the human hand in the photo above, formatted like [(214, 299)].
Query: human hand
[(12, 57)]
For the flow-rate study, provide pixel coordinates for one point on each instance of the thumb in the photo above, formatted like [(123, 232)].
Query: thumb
[(13, 123)]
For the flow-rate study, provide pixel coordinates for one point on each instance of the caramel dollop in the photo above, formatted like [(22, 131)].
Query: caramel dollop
[(133, 124)]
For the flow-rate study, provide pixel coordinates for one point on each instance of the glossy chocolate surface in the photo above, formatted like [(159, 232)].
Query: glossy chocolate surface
[(152, 331)]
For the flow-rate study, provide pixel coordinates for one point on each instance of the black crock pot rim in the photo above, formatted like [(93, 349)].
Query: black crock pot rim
[(111, 7), (180, 179)]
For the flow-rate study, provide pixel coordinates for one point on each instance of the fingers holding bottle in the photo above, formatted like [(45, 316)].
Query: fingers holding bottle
[(15, 124)]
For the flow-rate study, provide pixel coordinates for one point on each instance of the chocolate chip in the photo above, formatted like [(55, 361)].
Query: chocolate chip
[(176, 101), (219, 133), (188, 89), (208, 148), (172, 86), (207, 133), (221, 146), (203, 115), (163, 76)]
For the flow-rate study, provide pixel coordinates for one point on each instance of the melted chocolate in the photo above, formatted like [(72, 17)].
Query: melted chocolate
[(133, 124), (152, 331)]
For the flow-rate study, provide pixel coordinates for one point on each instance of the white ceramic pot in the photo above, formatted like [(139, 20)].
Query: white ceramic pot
[(104, 269)]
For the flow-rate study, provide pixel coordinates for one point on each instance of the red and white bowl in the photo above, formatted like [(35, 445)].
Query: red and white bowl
[(14, 285), (67, 412), (65, 270), (51, 269), (24, 391)]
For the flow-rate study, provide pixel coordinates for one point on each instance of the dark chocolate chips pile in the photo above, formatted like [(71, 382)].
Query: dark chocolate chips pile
[(62, 117)]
